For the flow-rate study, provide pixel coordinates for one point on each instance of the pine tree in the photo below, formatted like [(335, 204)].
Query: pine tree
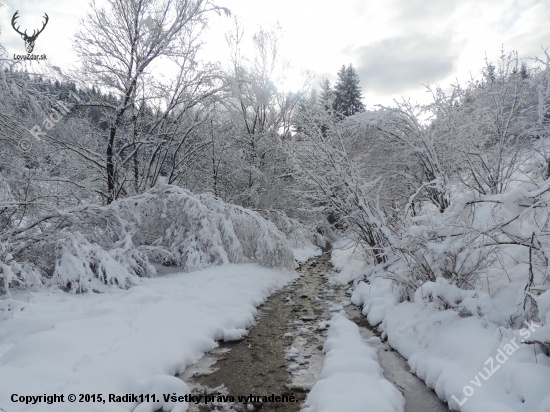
[(347, 93), (326, 97), (524, 73)]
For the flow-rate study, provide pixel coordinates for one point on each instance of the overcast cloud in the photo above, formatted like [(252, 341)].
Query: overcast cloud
[(401, 63), (395, 45)]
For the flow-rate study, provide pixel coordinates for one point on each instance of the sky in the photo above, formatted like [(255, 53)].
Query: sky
[(396, 46)]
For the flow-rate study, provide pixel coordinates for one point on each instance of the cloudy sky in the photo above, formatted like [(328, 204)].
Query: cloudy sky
[(396, 46)]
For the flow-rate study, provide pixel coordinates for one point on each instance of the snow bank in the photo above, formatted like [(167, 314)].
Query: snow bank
[(449, 336), (124, 341), (472, 363), (351, 379), (377, 297), (465, 344)]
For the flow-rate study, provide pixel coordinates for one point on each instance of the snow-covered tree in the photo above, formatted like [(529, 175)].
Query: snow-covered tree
[(326, 97), (262, 116), (347, 93), (331, 171), (123, 47)]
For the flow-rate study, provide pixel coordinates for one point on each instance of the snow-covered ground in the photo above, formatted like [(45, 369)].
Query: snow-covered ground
[(351, 379), (124, 341), (305, 252), (457, 340)]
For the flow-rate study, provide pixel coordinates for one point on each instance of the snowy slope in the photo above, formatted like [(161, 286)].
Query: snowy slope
[(124, 341)]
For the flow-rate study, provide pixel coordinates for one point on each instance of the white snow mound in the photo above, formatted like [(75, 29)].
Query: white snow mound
[(351, 379)]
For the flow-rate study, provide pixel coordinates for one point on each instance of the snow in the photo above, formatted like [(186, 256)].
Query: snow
[(376, 297), (350, 265), (450, 352), (113, 246), (291, 353), (351, 378), (125, 341), (159, 386), (305, 252), (459, 341)]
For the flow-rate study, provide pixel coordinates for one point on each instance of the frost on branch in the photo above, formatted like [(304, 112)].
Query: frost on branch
[(114, 245), (299, 234), (81, 266), (173, 226), (16, 275)]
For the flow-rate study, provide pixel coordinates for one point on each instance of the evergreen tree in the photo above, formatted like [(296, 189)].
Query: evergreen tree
[(524, 73), (347, 93), (326, 97)]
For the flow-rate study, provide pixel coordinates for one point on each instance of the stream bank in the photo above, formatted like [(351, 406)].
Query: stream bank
[(282, 353)]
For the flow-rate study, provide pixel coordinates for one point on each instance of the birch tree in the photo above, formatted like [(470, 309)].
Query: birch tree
[(145, 52)]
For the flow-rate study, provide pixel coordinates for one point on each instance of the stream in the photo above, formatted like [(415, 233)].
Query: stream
[(282, 354)]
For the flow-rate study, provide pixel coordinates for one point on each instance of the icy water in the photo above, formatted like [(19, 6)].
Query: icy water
[(282, 355)]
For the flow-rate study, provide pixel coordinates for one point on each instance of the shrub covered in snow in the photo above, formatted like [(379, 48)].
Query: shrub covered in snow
[(17, 275), (81, 266), (297, 233), (195, 232), (114, 245)]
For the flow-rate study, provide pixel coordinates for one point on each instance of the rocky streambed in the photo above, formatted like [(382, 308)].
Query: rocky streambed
[(279, 361)]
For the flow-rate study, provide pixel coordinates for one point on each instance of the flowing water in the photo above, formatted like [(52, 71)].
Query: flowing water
[(282, 355)]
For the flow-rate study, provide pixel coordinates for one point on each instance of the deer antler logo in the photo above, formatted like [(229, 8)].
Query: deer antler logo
[(29, 40)]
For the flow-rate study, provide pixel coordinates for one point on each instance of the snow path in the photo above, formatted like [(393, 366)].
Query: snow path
[(124, 341)]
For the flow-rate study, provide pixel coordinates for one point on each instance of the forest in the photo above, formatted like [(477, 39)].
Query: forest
[(147, 157)]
